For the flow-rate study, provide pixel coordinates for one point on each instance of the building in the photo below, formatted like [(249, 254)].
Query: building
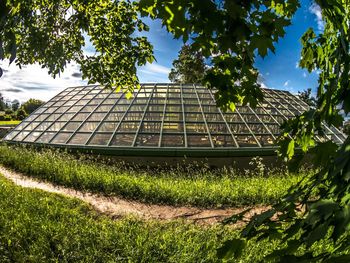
[(161, 122)]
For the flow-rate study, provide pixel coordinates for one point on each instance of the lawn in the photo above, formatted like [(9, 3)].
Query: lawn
[(193, 186), (40, 227), (12, 123)]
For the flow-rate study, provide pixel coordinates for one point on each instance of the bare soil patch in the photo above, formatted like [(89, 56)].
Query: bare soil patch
[(116, 207)]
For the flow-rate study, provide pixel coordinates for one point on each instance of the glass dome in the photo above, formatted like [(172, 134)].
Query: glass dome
[(160, 119)]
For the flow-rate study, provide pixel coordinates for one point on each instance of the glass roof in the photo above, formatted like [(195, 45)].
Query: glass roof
[(158, 116)]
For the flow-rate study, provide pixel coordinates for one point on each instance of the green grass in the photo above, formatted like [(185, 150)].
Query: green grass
[(40, 227), (4, 123), (192, 186)]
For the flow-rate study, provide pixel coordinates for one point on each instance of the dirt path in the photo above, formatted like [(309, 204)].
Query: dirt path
[(116, 207)]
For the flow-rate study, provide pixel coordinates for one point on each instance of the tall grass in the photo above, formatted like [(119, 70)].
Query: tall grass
[(40, 227), (190, 186)]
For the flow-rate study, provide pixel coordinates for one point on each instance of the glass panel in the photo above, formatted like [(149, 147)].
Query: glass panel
[(97, 116), (223, 141), (66, 117), (172, 140), (72, 126), (128, 126), (79, 138), (155, 108), (108, 127), (123, 140), (153, 116), (218, 128), (265, 140), (196, 127), (43, 126), (32, 125), (100, 139), (82, 102), (173, 108), (233, 117), (61, 137), (114, 116), (246, 141), (133, 116), (56, 126), (32, 136), (173, 117), (198, 141), (41, 117), (173, 127), (21, 135), (88, 126), (147, 140), (53, 117), (153, 127), (88, 108), (31, 117), (75, 109), (11, 135), (104, 108), (194, 117), (80, 117), (45, 137)]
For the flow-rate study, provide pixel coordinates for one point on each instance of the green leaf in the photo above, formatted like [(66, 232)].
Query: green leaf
[(231, 249)]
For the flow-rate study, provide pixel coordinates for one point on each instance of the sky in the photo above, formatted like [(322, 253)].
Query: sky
[(278, 71)]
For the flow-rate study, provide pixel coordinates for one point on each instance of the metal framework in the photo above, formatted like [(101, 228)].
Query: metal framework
[(159, 117)]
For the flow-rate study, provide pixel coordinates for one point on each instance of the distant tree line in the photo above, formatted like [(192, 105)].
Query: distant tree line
[(14, 110)]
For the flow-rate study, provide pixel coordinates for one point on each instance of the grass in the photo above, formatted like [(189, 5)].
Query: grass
[(4, 123), (40, 227), (191, 186)]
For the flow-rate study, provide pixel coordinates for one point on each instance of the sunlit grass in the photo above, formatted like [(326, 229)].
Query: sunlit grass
[(4, 123), (42, 227), (194, 186)]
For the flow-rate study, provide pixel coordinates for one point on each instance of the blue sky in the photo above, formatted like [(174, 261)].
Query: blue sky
[(278, 71)]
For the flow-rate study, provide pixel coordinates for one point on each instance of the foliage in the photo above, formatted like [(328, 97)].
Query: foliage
[(2, 103), (307, 97), (53, 33), (31, 105), (190, 186), (346, 128), (317, 208), (21, 114), (15, 105), (230, 34), (189, 67)]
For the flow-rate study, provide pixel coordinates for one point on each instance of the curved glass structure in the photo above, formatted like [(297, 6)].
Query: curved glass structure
[(170, 119)]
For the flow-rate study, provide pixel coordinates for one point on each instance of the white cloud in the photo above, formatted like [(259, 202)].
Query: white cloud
[(286, 84), (315, 9), (267, 74), (34, 82), (153, 73), (304, 74), (297, 64)]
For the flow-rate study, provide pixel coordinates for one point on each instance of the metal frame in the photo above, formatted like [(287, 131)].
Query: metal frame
[(198, 102)]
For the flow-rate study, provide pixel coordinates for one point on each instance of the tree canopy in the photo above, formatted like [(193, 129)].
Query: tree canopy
[(231, 34), (189, 67)]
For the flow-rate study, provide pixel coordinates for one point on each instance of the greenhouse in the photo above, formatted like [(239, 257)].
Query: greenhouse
[(160, 120)]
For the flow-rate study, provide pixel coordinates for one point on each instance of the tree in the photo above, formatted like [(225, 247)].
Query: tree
[(21, 114), (2, 103), (189, 67), (31, 105), (15, 105), (52, 34), (307, 97), (231, 34)]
